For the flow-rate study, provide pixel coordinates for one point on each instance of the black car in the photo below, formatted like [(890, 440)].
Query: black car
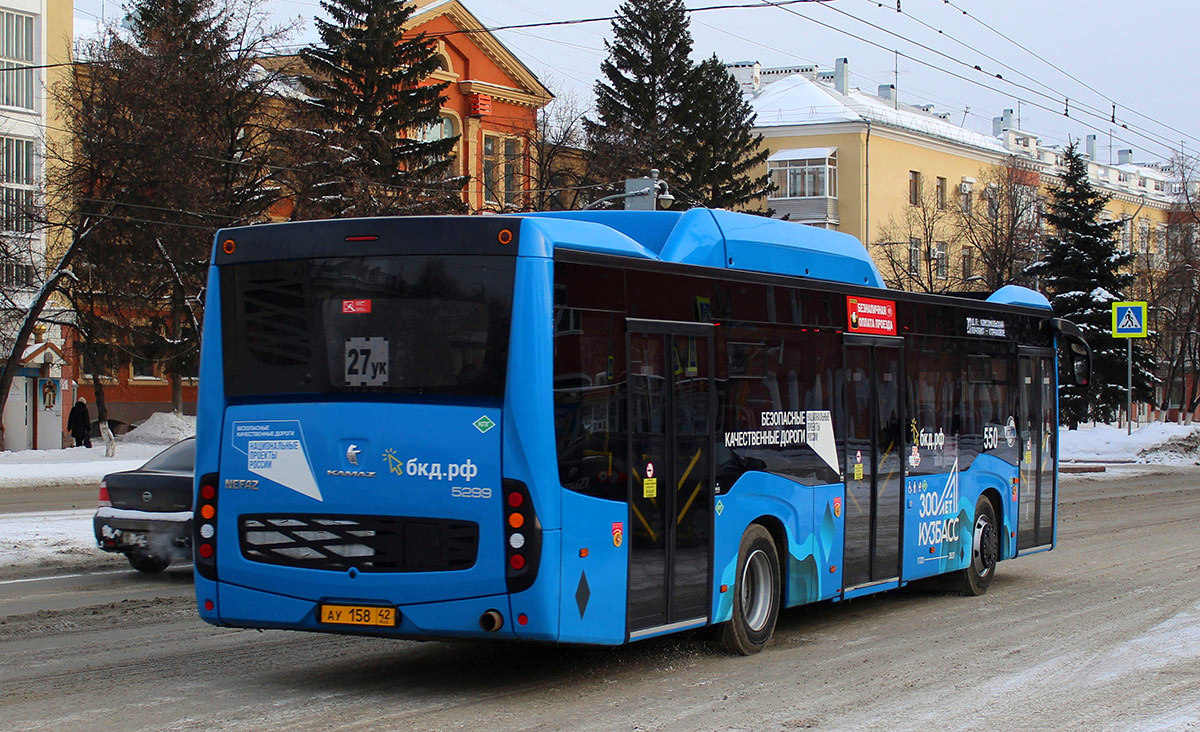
[(146, 514)]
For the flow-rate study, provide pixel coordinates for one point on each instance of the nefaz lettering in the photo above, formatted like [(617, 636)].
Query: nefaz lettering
[(235, 484)]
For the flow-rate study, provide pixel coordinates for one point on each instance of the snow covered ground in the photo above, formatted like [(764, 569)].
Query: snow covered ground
[(1161, 444), (64, 538), (81, 465)]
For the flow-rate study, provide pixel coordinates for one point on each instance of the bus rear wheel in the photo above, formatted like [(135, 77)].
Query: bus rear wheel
[(755, 594), (985, 550)]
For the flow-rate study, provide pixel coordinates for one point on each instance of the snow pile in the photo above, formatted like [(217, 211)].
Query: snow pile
[(1154, 443), (163, 428)]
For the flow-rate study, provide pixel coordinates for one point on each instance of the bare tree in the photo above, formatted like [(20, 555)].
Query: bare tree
[(998, 221), (915, 247), (1170, 281), (560, 163)]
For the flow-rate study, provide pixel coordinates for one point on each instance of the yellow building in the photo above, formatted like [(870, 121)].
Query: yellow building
[(864, 163)]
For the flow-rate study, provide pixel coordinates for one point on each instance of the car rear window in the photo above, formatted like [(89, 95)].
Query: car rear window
[(181, 456)]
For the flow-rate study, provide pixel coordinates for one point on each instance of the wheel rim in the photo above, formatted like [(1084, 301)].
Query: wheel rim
[(757, 586), (984, 546)]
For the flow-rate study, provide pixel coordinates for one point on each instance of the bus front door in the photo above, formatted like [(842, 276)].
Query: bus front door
[(1039, 431), (671, 403), (874, 464)]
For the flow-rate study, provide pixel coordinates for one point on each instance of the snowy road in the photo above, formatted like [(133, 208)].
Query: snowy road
[(1101, 634)]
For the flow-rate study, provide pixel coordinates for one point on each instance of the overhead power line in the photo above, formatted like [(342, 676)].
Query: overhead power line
[(1064, 72), (1053, 98), (948, 72), (440, 34)]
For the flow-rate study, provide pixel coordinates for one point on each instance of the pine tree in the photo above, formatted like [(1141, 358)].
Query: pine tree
[(1085, 273), (722, 150), (368, 90), (641, 101)]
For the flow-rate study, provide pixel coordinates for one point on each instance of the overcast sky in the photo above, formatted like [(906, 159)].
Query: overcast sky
[(1140, 55)]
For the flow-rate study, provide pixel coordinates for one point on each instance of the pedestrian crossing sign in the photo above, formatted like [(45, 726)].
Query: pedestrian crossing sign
[(1129, 320)]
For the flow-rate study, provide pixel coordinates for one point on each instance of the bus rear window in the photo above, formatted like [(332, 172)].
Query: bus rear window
[(436, 325)]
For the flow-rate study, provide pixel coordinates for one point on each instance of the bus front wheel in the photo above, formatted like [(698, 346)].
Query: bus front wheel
[(985, 550), (755, 594)]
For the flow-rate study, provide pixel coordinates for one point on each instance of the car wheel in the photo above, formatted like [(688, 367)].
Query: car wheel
[(755, 594), (149, 563), (985, 550)]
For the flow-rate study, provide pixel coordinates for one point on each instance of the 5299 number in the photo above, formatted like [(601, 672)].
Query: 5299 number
[(470, 492)]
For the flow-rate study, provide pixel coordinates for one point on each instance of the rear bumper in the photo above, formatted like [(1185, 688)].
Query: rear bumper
[(125, 530), (244, 607)]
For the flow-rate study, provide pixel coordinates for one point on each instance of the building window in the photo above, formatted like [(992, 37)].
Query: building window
[(16, 58), (512, 158), (1126, 235), (965, 199), (942, 266), (439, 130), (914, 256), (14, 273), (1144, 235), (143, 368), (941, 193), (501, 161), (490, 168), (16, 183), (914, 188), (968, 263), (807, 178)]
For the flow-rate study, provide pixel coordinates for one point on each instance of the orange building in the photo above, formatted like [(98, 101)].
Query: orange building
[(492, 101)]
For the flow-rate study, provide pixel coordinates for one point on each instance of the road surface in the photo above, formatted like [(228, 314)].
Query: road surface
[(1101, 634)]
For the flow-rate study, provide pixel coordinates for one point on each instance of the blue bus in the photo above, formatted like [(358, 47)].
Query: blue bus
[(600, 427)]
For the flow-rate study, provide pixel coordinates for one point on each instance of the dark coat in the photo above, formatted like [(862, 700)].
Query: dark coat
[(79, 422)]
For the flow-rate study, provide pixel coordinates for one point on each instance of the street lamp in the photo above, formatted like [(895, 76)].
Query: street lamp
[(641, 194)]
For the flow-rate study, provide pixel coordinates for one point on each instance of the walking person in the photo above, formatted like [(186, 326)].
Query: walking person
[(79, 424)]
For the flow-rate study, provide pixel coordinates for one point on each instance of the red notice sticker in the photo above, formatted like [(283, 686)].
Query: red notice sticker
[(868, 315), (356, 306)]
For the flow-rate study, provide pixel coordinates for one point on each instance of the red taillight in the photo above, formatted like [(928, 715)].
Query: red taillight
[(515, 499), (209, 605), (104, 499), (517, 561), (522, 619), (204, 526)]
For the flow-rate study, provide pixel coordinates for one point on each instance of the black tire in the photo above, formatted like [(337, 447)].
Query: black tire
[(756, 594), (148, 563), (985, 550)]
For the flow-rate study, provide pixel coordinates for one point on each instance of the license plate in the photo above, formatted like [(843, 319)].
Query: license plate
[(373, 615), (131, 538)]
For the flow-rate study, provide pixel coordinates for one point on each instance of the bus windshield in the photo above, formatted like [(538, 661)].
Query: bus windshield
[(414, 324)]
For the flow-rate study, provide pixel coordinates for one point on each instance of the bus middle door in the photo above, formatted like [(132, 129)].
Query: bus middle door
[(671, 406), (1039, 431), (874, 460)]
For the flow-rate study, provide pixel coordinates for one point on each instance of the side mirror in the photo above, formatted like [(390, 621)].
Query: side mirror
[(1079, 362)]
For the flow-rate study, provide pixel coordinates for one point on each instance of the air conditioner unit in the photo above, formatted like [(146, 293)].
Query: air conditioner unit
[(964, 188)]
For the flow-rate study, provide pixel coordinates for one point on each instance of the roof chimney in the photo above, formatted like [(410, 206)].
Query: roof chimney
[(1002, 123), (888, 92), (841, 75), (1089, 147), (1124, 157)]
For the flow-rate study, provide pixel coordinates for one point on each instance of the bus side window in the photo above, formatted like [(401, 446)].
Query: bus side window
[(590, 401)]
